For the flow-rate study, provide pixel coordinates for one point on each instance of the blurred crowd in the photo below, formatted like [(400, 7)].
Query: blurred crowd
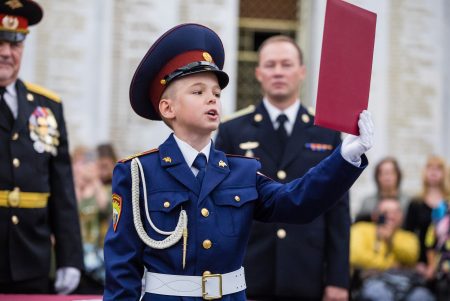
[(400, 245), (92, 170)]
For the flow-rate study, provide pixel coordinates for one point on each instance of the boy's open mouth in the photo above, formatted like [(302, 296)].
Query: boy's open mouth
[(212, 113)]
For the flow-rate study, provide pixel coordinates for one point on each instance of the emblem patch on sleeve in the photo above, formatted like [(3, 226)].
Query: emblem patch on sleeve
[(117, 209)]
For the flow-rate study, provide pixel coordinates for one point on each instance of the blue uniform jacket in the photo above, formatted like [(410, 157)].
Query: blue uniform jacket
[(228, 224)]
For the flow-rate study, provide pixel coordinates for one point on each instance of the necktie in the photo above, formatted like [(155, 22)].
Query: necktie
[(200, 164), (281, 130), (4, 108)]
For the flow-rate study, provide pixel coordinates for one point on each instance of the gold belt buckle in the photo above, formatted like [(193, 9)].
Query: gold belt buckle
[(204, 280), (14, 197)]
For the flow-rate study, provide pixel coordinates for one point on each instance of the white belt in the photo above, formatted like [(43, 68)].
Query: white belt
[(209, 287)]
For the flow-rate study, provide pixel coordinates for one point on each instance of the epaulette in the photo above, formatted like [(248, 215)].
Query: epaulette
[(43, 91), (311, 111), (239, 113), (153, 150)]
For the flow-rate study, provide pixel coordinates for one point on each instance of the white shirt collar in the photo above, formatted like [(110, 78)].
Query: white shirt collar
[(11, 89), (11, 98), (290, 112), (189, 153)]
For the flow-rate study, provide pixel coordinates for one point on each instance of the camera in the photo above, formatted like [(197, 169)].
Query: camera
[(381, 219)]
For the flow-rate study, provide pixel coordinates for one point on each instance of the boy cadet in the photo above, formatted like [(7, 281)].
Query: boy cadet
[(199, 203)]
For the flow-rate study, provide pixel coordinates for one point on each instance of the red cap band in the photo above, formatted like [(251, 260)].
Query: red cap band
[(159, 84), (13, 23)]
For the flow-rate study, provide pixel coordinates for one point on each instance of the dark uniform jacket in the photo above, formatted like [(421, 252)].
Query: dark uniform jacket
[(284, 260), (233, 191), (35, 163)]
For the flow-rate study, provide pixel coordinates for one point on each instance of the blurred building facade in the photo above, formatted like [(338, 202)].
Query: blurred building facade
[(87, 52)]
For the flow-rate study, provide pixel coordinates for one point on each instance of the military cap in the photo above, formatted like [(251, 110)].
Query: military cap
[(16, 16), (183, 50)]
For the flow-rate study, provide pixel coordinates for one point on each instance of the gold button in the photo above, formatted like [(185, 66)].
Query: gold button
[(15, 219), (281, 174), (237, 198), (16, 162), (15, 136), (281, 233), (205, 212), (207, 244), (258, 117), (206, 273), (305, 118), (30, 97), (166, 204)]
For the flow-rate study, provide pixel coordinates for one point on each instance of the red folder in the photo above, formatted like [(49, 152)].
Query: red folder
[(345, 66)]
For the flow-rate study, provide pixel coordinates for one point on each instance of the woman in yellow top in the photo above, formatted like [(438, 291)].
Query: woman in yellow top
[(379, 249), (382, 244)]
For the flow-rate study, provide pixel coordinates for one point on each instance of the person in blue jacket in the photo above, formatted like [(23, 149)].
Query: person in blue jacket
[(183, 211)]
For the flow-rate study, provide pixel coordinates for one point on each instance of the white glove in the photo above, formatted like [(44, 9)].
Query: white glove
[(67, 280), (354, 146)]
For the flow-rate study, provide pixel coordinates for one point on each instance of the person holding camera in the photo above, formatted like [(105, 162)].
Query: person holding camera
[(382, 244), (384, 255)]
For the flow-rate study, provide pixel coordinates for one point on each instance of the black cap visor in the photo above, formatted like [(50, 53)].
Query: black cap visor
[(11, 36), (198, 67)]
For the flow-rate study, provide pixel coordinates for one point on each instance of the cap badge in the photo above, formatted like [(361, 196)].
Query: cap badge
[(207, 57), (10, 22), (14, 4), (222, 164), (167, 159)]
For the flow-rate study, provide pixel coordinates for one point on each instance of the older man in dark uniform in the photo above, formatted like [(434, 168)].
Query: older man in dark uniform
[(300, 262), (37, 199)]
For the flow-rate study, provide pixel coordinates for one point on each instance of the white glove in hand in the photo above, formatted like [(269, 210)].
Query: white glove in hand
[(354, 146), (67, 280)]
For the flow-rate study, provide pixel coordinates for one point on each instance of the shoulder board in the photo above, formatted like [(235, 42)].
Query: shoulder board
[(153, 150), (240, 156), (311, 111), (43, 91), (239, 113)]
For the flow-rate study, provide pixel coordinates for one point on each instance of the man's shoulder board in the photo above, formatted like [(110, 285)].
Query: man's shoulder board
[(153, 150), (239, 113), (42, 91)]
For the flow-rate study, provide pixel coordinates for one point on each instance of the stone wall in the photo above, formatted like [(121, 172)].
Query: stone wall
[(407, 95), (88, 51)]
